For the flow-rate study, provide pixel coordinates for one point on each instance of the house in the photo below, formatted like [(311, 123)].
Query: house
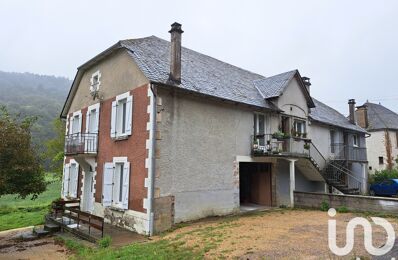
[(159, 134), (382, 124)]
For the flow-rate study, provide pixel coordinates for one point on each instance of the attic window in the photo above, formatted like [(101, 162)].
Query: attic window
[(95, 81)]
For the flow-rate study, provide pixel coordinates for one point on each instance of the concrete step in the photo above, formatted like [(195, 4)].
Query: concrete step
[(52, 227), (41, 232), (29, 236)]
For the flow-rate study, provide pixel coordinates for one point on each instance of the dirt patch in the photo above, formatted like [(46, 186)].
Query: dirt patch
[(276, 234), (11, 247)]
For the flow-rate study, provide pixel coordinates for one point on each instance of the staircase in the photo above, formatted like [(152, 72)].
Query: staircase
[(335, 173)]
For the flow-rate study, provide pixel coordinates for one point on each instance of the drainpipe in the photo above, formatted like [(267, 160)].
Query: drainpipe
[(152, 162)]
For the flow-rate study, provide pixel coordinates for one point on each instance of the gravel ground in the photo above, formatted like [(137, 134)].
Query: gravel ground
[(283, 234)]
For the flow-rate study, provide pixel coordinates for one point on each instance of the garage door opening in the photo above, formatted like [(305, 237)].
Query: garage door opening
[(255, 187)]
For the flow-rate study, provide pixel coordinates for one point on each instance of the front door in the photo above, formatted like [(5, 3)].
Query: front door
[(88, 192)]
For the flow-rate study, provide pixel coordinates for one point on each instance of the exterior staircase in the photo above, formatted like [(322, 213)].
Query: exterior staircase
[(335, 173)]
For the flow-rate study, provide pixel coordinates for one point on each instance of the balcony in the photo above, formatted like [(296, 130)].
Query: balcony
[(342, 151), (270, 145), (81, 143)]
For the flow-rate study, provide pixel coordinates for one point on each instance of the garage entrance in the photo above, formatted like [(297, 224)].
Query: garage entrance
[(255, 184)]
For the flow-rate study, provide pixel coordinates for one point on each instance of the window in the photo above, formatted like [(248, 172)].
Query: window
[(116, 183), (299, 128), (396, 139), (355, 141), (332, 141), (95, 81), (92, 119), (75, 123), (381, 160), (260, 124), (121, 119), (70, 179)]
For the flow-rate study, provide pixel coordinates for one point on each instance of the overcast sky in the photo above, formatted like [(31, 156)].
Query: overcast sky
[(349, 49)]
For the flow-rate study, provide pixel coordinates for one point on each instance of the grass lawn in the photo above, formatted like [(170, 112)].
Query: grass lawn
[(15, 213)]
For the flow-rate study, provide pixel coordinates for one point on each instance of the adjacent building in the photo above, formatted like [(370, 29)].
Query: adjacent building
[(382, 124), (159, 134)]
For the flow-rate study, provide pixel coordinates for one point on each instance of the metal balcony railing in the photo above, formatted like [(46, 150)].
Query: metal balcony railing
[(81, 143), (268, 144), (342, 151)]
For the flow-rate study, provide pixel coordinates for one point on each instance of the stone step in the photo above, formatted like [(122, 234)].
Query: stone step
[(41, 232), (52, 227), (29, 236)]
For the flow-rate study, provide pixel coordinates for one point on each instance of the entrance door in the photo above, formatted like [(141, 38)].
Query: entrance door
[(88, 192), (255, 183)]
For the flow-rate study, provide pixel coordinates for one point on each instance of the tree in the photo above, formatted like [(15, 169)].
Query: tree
[(55, 147), (20, 169)]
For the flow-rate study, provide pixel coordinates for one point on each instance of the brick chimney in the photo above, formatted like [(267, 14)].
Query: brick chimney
[(175, 52), (362, 116), (352, 117)]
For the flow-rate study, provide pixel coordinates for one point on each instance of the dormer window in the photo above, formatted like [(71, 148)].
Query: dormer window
[(95, 81)]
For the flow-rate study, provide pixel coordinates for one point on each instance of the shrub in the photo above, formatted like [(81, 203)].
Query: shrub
[(105, 242), (342, 209), (383, 175), (324, 206)]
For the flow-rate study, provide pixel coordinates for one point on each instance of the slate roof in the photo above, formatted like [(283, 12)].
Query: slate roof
[(327, 115), (380, 117), (199, 72), (274, 86)]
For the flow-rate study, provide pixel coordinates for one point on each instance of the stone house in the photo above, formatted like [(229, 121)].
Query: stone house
[(382, 124), (159, 134)]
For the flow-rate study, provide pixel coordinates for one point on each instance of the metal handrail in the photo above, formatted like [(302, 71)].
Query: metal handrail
[(81, 143)]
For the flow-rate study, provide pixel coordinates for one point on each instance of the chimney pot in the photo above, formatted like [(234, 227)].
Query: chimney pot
[(175, 52), (352, 117), (307, 82)]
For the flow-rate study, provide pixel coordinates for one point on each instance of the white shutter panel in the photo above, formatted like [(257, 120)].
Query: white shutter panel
[(74, 177), (97, 112), (113, 120), (107, 186), (129, 115), (126, 185), (71, 125), (65, 181), (80, 123), (87, 120)]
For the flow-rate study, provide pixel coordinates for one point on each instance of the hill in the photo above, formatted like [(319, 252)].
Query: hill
[(34, 95)]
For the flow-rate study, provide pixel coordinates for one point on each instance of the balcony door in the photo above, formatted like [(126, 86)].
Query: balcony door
[(260, 128)]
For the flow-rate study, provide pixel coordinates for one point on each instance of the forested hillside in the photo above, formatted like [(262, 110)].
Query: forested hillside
[(34, 95)]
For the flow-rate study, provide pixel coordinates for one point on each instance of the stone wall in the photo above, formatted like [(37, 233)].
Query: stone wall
[(351, 202)]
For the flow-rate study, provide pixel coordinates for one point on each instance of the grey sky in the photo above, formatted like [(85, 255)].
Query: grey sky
[(347, 48)]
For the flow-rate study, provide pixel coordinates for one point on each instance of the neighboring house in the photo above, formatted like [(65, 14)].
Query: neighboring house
[(159, 134), (382, 124)]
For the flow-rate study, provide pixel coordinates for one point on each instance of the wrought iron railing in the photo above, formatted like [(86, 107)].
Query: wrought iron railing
[(268, 144), (342, 151), (81, 143)]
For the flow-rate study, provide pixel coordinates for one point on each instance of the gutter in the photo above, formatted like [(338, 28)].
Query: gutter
[(152, 160)]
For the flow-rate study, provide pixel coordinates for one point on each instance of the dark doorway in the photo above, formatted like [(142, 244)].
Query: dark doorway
[(255, 183)]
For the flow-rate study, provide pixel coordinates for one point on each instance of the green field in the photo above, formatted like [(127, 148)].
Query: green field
[(16, 213)]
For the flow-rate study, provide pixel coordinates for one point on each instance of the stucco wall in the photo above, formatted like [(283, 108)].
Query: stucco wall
[(119, 74), (198, 141), (376, 144), (292, 101)]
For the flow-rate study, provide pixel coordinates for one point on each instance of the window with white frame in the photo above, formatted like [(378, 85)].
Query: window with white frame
[(95, 81), (116, 184), (121, 118), (299, 127), (260, 127), (92, 118), (75, 123), (355, 141), (70, 179)]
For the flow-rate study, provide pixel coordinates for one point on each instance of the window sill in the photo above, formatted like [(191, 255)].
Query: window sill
[(115, 208), (120, 138)]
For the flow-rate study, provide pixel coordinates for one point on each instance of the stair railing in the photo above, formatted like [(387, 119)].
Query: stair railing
[(340, 175)]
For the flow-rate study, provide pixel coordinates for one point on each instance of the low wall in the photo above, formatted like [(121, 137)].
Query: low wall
[(351, 202)]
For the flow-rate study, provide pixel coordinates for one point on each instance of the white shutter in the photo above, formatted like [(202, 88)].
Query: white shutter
[(97, 112), (65, 181), (107, 186), (74, 177), (126, 185), (87, 120), (71, 125), (80, 123), (113, 120), (129, 115)]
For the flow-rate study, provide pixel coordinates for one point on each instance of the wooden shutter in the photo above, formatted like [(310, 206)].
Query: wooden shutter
[(87, 120), (97, 112), (107, 185), (65, 181), (70, 125), (73, 180), (80, 123), (113, 119), (129, 115), (126, 185)]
